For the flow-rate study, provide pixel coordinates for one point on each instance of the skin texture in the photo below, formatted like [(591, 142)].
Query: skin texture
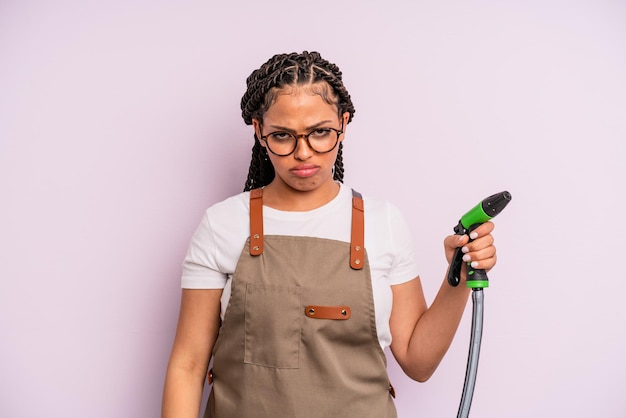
[(198, 324), (304, 179), (421, 334)]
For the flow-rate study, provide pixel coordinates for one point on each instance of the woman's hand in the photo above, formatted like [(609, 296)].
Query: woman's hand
[(480, 252)]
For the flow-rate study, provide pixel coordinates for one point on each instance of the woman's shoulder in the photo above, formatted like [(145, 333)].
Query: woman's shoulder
[(234, 203), (225, 221), (230, 211), (379, 205)]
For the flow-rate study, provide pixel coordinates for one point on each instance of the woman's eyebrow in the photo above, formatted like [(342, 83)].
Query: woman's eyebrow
[(308, 128)]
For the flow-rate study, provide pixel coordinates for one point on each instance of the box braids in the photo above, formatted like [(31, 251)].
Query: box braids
[(263, 86)]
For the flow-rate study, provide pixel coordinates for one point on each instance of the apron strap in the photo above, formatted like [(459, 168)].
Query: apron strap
[(358, 232), (256, 222), (357, 235)]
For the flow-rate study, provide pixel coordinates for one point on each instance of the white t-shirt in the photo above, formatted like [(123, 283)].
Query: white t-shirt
[(217, 244)]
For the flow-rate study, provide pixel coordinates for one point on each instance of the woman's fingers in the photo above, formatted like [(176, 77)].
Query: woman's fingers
[(481, 251)]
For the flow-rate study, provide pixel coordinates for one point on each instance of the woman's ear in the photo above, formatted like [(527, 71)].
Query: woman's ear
[(344, 119), (256, 124)]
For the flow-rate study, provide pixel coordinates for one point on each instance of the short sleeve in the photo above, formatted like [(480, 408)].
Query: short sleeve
[(200, 266), (404, 266)]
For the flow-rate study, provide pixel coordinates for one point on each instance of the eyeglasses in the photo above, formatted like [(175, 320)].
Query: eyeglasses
[(320, 140)]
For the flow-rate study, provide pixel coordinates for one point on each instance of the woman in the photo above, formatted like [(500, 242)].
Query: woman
[(297, 285)]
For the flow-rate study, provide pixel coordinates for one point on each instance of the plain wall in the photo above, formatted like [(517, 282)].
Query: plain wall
[(120, 125)]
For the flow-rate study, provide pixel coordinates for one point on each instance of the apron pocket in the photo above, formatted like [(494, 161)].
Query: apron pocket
[(273, 317)]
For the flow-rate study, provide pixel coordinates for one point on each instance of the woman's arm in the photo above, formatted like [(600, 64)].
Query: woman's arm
[(198, 325), (421, 335)]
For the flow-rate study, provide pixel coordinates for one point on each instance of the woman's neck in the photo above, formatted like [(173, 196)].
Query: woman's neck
[(280, 196)]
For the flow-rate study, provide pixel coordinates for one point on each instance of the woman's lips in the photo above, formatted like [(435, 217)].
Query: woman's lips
[(305, 170)]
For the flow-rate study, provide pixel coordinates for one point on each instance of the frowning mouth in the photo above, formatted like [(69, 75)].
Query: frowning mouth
[(305, 170)]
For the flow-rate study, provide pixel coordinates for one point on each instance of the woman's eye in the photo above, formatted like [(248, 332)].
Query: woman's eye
[(320, 133), (280, 136)]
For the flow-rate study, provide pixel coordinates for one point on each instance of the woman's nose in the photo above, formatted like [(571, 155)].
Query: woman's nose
[(303, 150)]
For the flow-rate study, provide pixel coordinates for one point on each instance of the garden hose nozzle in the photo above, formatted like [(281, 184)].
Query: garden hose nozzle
[(484, 211)]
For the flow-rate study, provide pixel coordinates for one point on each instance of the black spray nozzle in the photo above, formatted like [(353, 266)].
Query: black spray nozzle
[(486, 210), (495, 203)]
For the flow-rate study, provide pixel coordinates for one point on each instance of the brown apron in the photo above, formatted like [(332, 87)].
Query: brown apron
[(299, 333)]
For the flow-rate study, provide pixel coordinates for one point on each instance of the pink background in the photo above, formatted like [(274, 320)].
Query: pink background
[(120, 124)]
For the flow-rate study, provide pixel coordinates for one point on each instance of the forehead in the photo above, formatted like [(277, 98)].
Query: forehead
[(299, 104)]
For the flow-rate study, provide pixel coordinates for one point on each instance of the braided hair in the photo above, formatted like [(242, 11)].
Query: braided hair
[(263, 87)]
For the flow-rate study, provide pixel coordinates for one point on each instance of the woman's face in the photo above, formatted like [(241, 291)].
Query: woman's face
[(300, 111)]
